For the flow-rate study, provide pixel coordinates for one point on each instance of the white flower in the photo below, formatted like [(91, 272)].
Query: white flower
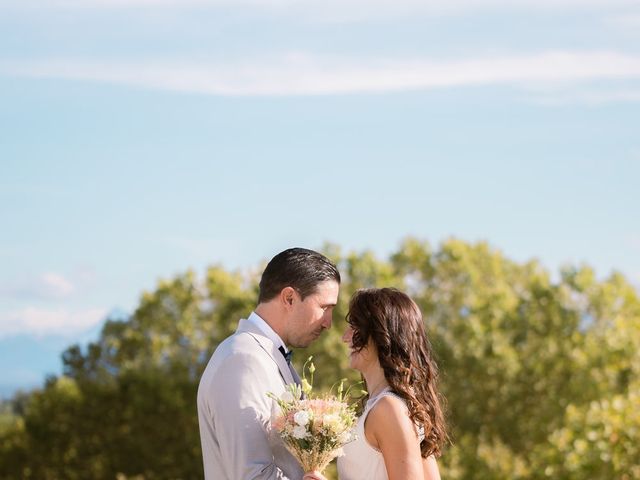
[(299, 432), (301, 418), (331, 421), (287, 396)]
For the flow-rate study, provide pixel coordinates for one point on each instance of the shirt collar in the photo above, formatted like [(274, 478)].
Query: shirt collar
[(265, 328)]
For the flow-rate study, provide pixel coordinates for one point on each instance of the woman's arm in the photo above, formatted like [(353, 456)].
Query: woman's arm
[(430, 468), (389, 429)]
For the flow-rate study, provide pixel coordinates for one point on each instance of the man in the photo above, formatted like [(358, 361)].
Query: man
[(298, 291)]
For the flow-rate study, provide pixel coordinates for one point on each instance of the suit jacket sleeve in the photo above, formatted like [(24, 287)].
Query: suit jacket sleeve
[(243, 413)]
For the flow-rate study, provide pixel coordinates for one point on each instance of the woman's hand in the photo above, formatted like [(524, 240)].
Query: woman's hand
[(315, 475)]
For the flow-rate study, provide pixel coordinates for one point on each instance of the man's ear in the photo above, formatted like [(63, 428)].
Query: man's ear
[(288, 296)]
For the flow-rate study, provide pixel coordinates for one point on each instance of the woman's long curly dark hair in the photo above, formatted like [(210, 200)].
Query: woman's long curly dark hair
[(394, 324)]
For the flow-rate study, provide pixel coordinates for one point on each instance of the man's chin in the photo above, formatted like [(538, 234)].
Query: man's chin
[(307, 341)]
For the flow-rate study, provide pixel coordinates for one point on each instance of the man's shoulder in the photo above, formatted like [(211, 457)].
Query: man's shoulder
[(235, 356), (240, 342), (245, 333)]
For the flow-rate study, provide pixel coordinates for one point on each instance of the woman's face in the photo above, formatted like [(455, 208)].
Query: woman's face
[(361, 360)]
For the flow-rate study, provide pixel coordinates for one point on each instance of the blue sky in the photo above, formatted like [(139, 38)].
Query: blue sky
[(140, 138)]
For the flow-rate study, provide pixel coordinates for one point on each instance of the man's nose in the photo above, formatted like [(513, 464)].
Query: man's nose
[(328, 317)]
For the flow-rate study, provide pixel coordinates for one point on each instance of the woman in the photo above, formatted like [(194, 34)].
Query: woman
[(401, 430)]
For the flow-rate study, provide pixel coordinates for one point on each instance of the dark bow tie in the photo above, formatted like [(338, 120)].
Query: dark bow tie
[(287, 355)]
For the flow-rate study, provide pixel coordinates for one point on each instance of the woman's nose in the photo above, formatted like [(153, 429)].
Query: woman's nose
[(346, 337)]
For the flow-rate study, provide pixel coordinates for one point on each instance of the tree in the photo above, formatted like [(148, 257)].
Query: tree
[(541, 377)]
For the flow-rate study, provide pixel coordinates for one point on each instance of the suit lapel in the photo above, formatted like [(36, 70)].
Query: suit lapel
[(268, 346)]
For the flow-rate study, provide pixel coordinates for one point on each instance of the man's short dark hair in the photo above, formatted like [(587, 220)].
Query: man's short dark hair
[(299, 268)]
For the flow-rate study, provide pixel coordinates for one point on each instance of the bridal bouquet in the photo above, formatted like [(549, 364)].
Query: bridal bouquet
[(314, 429)]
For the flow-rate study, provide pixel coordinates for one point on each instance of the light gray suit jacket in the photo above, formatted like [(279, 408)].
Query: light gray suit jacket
[(234, 411)]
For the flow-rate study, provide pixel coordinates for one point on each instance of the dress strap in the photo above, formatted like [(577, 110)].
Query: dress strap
[(372, 401)]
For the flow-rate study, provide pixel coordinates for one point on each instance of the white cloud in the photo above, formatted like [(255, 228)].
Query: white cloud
[(305, 74), (48, 285), (338, 11), (337, 6), (629, 21), (57, 285), (35, 321)]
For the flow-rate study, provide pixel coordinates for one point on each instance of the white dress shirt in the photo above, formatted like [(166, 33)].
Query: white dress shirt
[(265, 328)]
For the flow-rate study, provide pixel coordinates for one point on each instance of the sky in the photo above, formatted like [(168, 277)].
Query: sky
[(141, 138)]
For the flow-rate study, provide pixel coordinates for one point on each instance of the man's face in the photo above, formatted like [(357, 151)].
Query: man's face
[(309, 317)]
